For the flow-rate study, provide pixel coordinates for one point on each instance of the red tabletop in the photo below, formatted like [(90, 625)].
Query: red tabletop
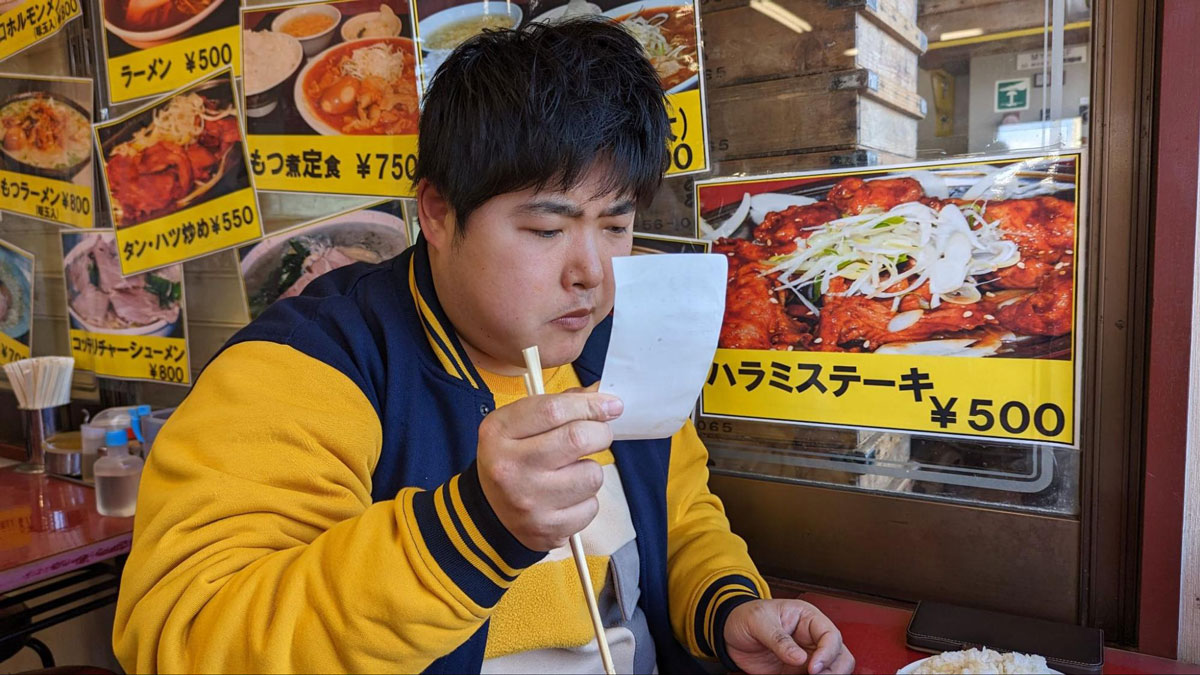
[(49, 527), (875, 635)]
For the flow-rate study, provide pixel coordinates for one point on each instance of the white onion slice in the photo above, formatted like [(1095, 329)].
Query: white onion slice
[(766, 202), (905, 320), (735, 221)]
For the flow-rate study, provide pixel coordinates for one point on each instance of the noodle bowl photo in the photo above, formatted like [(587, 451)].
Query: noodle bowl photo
[(668, 34), (148, 23), (45, 133)]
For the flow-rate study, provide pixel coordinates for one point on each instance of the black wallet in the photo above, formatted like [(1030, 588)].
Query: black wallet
[(1075, 650)]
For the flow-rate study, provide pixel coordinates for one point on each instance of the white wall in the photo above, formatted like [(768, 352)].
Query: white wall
[(928, 142), (986, 70)]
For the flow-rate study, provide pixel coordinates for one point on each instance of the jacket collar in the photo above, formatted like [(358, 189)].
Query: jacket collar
[(444, 342)]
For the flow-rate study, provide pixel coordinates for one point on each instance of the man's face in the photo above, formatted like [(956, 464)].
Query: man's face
[(533, 268)]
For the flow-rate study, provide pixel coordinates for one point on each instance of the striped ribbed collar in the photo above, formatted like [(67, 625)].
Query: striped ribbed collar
[(444, 342)]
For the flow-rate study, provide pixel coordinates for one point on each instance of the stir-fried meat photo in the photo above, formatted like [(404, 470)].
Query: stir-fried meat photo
[(880, 265), (173, 157)]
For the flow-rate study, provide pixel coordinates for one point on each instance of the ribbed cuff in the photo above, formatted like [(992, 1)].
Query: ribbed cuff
[(716, 602), (468, 541), (720, 615)]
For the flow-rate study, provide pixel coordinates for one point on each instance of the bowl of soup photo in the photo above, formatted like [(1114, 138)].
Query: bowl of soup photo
[(442, 31), (45, 134), (148, 23), (312, 25)]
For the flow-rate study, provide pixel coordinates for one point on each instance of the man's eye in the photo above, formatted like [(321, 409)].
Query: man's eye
[(546, 234), (618, 229)]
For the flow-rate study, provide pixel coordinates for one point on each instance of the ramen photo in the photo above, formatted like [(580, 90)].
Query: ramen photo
[(283, 264), (668, 34), (46, 127), (46, 132), (101, 300)]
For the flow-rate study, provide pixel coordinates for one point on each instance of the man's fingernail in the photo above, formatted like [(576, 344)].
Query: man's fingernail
[(816, 667), (613, 407)]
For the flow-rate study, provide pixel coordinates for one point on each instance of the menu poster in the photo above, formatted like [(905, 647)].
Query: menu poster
[(24, 23), (331, 97), (667, 29), (938, 298), (16, 303), (282, 265), (46, 148), (125, 327), (179, 190), (155, 46)]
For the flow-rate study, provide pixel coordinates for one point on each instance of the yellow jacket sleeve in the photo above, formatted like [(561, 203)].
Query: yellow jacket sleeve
[(709, 571), (257, 547)]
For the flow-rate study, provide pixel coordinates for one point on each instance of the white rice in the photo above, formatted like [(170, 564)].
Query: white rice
[(985, 662), (269, 58)]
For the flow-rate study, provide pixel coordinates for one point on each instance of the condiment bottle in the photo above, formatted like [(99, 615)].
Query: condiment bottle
[(117, 476)]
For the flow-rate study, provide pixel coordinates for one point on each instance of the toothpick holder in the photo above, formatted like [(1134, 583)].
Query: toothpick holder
[(39, 425)]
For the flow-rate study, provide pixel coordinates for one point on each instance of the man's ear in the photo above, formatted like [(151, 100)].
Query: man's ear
[(435, 215)]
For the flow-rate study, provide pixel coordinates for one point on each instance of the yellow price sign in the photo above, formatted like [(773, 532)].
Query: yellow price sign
[(12, 350), (56, 201), (1031, 400), (215, 225), (33, 21), (134, 357), (157, 70), (689, 150), (373, 166)]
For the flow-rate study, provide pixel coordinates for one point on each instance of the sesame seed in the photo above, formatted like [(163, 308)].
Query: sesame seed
[(989, 317), (990, 294), (790, 348), (1021, 265), (866, 344), (968, 314), (1070, 252), (774, 301), (817, 341)]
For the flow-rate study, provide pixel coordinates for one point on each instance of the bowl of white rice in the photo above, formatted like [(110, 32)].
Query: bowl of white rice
[(269, 59), (982, 661)]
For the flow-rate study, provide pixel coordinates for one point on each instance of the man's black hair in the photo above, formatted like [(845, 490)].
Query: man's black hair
[(538, 108)]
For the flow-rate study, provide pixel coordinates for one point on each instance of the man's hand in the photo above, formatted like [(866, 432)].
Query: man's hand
[(785, 636), (531, 469)]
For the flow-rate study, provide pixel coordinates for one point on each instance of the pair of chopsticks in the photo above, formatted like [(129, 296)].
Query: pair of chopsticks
[(535, 387)]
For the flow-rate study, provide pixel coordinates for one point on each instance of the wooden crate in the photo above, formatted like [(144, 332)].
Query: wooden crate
[(813, 112), (743, 44), (839, 158)]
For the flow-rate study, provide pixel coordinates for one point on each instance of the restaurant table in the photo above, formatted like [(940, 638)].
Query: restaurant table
[(59, 558), (875, 632)]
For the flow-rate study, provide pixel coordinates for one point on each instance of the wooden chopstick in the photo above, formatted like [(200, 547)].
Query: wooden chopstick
[(535, 387)]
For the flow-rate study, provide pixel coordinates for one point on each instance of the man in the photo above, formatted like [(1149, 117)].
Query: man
[(358, 483)]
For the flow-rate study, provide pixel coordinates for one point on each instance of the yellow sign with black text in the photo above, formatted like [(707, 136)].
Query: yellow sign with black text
[(12, 350), (33, 21), (1019, 399), (167, 67), (56, 201), (689, 149), (215, 225), (138, 357), (379, 166)]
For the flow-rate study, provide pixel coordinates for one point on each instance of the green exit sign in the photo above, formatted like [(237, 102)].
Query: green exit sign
[(1012, 95)]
